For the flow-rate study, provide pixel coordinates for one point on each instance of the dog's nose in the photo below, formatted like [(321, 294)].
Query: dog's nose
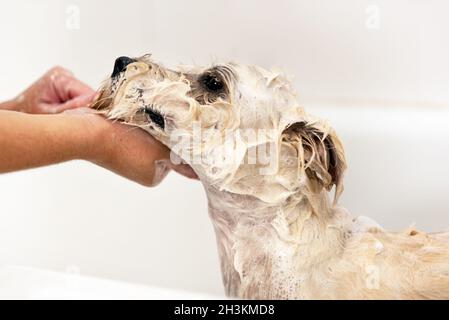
[(120, 65)]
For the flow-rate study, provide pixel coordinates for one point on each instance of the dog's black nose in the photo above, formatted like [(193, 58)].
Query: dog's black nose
[(120, 65)]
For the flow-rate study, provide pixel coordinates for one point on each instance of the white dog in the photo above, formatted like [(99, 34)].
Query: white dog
[(267, 168)]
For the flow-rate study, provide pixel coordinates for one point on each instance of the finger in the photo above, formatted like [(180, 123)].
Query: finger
[(68, 87), (57, 71), (185, 170), (78, 102), (81, 110), (76, 88)]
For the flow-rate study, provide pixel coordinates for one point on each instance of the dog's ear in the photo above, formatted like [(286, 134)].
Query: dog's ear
[(319, 151)]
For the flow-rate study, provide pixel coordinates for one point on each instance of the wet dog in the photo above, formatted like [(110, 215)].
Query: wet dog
[(268, 168)]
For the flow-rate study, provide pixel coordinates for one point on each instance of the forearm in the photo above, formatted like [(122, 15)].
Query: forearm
[(29, 141), (32, 141)]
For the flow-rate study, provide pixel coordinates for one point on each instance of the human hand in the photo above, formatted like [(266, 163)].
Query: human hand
[(128, 151), (56, 91)]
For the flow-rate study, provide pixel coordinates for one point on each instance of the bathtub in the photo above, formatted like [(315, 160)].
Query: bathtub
[(397, 161), (77, 216), (30, 283)]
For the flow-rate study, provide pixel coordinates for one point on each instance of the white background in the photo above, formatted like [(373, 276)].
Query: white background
[(384, 86)]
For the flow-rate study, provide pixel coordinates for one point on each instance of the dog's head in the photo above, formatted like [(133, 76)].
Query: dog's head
[(239, 127)]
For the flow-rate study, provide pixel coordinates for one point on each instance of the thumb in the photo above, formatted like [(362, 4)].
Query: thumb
[(78, 102)]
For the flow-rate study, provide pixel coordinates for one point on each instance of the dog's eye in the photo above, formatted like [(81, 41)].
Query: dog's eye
[(154, 116), (212, 83)]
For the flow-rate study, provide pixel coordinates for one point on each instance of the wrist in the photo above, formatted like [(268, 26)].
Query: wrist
[(95, 143), (12, 105), (88, 131)]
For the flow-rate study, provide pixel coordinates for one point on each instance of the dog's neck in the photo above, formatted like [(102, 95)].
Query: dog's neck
[(266, 251)]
